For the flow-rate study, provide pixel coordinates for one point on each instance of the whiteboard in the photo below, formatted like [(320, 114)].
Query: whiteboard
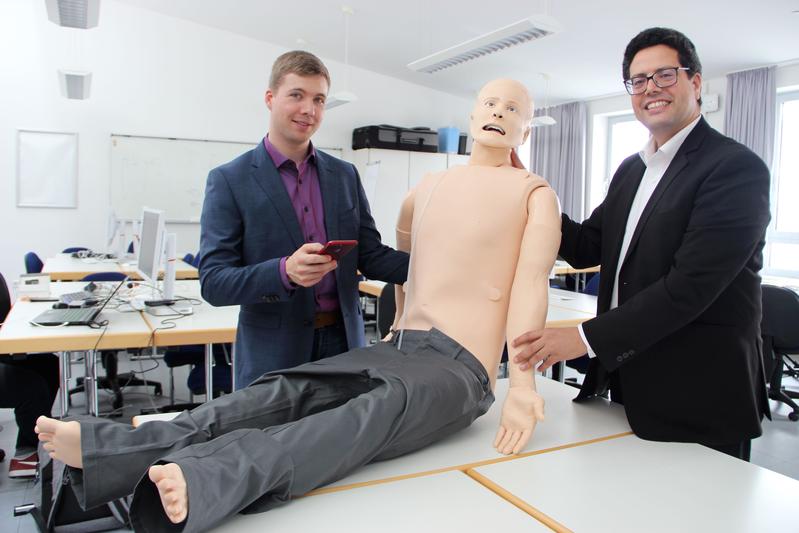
[(165, 173)]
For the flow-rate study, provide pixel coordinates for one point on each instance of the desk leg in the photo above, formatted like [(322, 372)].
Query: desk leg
[(90, 383), (209, 372), (233, 367), (63, 374)]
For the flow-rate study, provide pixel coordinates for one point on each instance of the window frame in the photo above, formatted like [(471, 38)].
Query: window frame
[(772, 235)]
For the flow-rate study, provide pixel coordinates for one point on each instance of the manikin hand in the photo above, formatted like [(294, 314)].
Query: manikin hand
[(305, 267), (522, 410)]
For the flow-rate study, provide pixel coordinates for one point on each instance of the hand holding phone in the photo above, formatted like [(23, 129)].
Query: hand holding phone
[(337, 249)]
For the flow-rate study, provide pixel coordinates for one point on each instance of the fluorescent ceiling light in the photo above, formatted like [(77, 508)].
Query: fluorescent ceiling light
[(543, 120), (525, 30), (74, 13), (340, 98)]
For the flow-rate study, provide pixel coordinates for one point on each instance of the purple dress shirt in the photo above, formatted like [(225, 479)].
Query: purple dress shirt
[(302, 184)]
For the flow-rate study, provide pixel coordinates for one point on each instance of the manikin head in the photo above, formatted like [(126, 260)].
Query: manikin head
[(502, 115), (296, 98)]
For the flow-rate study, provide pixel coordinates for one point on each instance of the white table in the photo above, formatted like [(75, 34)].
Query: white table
[(446, 502), (631, 485), (566, 423), (206, 325), (64, 267), (124, 330)]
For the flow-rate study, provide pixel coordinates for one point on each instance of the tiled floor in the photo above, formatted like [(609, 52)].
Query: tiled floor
[(777, 449)]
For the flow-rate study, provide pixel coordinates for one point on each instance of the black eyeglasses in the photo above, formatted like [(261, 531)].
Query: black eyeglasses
[(664, 77)]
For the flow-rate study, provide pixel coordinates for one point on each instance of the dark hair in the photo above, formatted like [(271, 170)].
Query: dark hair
[(686, 52), (297, 62)]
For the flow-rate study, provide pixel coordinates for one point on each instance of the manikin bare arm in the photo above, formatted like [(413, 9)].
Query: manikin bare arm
[(404, 223), (523, 407)]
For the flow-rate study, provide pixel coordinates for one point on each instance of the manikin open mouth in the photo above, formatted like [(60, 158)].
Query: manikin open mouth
[(494, 127)]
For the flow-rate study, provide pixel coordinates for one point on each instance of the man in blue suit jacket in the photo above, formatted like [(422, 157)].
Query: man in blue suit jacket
[(264, 219)]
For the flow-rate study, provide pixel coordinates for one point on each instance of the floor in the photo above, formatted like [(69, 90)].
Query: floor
[(777, 449)]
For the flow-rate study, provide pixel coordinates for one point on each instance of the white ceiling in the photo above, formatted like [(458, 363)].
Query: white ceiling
[(584, 60)]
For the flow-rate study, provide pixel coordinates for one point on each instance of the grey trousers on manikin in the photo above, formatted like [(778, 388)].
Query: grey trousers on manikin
[(289, 432)]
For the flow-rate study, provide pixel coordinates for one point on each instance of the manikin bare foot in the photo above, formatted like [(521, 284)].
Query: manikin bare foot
[(61, 440), (171, 486)]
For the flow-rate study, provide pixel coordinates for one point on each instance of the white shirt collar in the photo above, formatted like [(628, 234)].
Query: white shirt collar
[(670, 147)]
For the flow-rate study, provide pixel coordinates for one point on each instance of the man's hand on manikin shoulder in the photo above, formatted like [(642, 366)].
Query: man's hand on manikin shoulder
[(306, 267)]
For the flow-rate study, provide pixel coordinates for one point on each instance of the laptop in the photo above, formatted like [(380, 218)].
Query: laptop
[(79, 316)]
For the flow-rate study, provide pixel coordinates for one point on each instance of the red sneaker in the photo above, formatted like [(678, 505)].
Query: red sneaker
[(24, 466)]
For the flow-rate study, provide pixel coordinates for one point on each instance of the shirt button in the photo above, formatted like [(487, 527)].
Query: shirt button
[(619, 359), (300, 182), (310, 237), (306, 208)]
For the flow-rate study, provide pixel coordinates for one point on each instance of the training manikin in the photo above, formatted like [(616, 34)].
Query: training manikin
[(483, 238)]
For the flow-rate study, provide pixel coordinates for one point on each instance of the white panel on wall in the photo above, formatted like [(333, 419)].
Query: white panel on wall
[(422, 163), (47, 169)]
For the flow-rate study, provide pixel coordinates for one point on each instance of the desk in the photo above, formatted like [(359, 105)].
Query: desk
[(64, 267), (566, 423), (447, 502), (206, 325), (125, 330), (631, 485)]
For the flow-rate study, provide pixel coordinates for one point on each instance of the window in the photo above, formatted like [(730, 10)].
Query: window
[(782, 240), (625, 136)]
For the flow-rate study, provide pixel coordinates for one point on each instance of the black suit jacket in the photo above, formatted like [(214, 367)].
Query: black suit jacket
[(683, 346)]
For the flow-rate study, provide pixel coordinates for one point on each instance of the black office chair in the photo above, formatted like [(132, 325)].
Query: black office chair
[(109, 361), (386, 307), (194, 355), (188, 258), (33, 265), (780, 330), (592, 286)]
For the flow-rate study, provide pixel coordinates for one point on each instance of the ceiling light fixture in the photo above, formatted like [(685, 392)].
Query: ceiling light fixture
[(525, 30), (345, 96), (544, 120), (75, 84), (83, 14)]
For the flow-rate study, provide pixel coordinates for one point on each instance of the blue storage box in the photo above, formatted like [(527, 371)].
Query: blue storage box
[(448, 140)]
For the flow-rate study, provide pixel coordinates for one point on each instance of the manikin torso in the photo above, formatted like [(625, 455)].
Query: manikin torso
[(466, 233)]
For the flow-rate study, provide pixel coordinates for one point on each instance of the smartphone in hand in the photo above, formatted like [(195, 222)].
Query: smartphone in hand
[(337, 249)]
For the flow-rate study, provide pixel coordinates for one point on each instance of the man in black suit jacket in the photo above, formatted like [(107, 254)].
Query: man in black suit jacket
[(679, 238)]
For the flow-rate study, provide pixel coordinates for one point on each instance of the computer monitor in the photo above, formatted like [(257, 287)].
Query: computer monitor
[(151, 245)]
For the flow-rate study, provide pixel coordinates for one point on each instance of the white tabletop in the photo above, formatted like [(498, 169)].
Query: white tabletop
[(67, 268), (206, 324), (447, 502), (125, 330), (631, 485), (566, 423)]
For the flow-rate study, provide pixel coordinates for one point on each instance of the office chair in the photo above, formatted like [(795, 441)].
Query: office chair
[(780, 331), (188, 259), (109, 360), (196, 262), (592, 286), (33, 265), (386, 307), (195, 355), (73, 249)]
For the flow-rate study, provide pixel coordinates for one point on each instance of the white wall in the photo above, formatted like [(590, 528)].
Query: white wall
[(160, 76)]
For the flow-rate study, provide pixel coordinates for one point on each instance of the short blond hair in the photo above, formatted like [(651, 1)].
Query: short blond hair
[(297, 62)]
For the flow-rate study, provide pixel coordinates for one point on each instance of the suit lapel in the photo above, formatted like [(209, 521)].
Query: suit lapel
[(329, 186), (268, 178), (679, 162)]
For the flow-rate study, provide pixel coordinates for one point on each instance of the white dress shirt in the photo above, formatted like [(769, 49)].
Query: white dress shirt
[(656, 164)]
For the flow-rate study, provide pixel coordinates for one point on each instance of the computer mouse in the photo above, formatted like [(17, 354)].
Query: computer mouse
[(60, 305)]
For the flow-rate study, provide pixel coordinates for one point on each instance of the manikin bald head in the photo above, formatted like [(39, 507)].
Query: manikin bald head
[(502, 114)]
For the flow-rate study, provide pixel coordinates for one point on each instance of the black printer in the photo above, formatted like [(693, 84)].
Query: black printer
[(395, 138)]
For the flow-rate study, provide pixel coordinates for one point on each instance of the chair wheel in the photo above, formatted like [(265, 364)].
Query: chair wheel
[(793, 416)]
